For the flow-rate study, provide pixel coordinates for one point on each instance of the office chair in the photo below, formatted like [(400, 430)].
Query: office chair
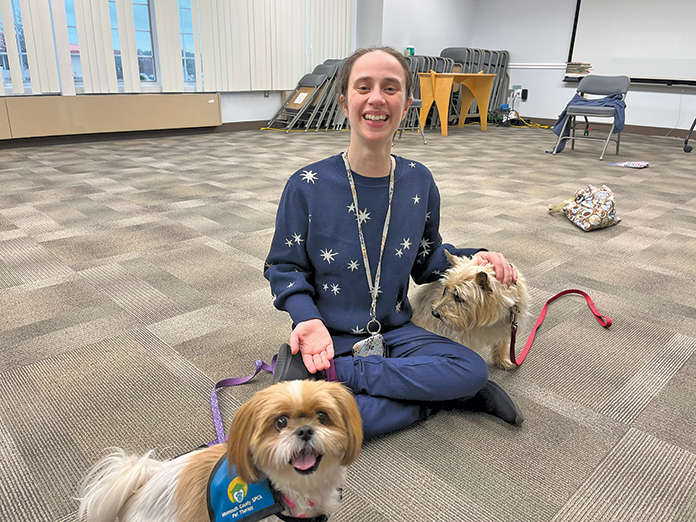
[(614, 89)]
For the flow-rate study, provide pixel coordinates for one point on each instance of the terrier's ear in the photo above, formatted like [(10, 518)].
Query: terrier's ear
[(482, 281), (452, 260)]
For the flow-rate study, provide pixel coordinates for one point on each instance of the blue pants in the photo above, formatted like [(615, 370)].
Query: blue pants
[(423, 371)]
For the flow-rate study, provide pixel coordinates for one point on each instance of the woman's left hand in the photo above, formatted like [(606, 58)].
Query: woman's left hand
[(504, 271)]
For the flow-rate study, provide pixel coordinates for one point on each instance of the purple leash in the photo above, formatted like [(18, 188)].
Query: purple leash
[(233, 381)]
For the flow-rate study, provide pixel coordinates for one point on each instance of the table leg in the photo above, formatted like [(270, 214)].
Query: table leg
[(425, 108), (426, 98), (467, 99), (478, 89), (482, 101), (443, 91), (482, 92)]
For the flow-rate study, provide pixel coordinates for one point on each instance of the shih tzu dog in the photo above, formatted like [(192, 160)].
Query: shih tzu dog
[(470, 306), (297, 437)]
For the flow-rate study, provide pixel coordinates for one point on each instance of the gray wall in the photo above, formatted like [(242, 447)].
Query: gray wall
[(536, 33)]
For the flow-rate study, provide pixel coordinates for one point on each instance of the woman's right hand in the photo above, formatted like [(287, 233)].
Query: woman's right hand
[(314, 341)]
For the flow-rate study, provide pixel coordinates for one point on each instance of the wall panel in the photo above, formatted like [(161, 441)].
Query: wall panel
[(31, 116)]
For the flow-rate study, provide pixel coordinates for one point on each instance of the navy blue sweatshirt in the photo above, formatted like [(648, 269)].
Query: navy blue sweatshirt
[(315, 265)]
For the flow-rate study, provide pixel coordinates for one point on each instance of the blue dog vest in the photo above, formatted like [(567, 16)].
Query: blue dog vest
[(230, 499)]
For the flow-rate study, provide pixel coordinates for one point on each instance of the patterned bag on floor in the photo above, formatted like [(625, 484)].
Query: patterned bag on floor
[(591, 208)]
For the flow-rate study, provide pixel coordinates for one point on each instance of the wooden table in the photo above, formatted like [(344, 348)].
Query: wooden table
[(437, 87)]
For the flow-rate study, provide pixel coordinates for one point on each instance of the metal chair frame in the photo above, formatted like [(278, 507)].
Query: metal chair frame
[(412, 119), (473, 61), (319, 80), (594, 85), (687, 147), (325, 98)]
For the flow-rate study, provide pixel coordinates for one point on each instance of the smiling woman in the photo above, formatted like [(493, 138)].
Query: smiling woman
[(341, 260), (375, 96)]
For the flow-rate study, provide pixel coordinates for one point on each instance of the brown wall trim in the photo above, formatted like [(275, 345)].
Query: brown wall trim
[(629, 129)]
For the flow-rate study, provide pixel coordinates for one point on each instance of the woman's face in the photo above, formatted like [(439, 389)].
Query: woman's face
[(377, 101)]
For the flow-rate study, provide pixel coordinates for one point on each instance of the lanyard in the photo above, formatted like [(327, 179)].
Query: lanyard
[(374, 288)]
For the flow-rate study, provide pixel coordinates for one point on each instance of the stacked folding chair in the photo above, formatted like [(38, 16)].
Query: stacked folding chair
[(327, 107), (439, 64), (412, 121), (307, 101), (425, 64), (468, 60), (313, 105)]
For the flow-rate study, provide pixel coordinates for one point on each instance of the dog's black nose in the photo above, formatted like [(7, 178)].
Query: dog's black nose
[(435, 314), (305, 433)]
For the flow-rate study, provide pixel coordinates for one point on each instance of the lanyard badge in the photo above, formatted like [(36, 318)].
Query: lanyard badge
[(373, 345)]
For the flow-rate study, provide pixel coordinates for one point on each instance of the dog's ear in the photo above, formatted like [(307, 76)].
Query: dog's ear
[(353, 423), (482, 281), (241, 434), (451, 259)]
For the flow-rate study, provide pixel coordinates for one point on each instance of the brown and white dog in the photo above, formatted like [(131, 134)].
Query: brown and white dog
[(470, 306), (301, 435)]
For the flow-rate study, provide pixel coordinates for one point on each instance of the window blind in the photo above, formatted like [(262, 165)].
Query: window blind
[(241, 45), (96, 46), (11, 46), (129, 51), (38, 37)]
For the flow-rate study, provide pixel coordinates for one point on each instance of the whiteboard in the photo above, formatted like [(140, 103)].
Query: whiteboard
[(647, 40)]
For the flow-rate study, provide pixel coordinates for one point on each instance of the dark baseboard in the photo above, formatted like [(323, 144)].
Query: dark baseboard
[(629, 129), (241, 126)]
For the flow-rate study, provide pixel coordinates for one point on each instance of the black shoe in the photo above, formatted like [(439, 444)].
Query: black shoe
[(494, 400), (289, 367)]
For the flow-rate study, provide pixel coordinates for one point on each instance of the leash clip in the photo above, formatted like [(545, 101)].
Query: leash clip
[(514, 310)]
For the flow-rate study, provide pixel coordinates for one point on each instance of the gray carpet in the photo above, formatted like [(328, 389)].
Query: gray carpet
[(131, 281)]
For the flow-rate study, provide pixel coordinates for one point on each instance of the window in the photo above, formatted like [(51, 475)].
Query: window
[(4, 62), (143, 40), (21, 44), (188, 60), (73, 40), (116, 39)]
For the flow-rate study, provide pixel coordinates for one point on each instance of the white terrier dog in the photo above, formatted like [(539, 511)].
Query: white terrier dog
[(470, 306)]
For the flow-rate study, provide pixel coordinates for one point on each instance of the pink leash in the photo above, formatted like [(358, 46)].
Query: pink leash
[(602, 319)]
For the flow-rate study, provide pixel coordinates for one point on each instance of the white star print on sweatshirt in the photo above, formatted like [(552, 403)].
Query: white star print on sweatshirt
[(301, 273)]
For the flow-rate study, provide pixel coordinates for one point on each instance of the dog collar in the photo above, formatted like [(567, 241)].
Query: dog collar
[(286, 518), (302, 518)]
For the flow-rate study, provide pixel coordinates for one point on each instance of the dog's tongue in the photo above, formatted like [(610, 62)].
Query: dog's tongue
[(304, 460)]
